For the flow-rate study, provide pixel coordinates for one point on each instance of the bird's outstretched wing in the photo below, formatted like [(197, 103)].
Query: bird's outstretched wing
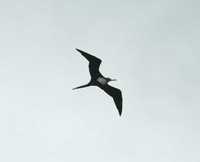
[(94, 63), (116, 94)]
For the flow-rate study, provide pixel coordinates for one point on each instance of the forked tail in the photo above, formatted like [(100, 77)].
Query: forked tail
[(83, 86)]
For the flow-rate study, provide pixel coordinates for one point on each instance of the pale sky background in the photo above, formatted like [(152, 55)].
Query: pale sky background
[(150, 46)]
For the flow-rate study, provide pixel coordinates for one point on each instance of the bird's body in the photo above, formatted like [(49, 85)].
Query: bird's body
[(102, 80), (97, 79)]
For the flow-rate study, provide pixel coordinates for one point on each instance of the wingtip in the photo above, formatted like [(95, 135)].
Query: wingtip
[(78, 49), (120, 112)]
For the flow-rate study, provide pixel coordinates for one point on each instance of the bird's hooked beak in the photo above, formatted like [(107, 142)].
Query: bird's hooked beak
[(113, 79)]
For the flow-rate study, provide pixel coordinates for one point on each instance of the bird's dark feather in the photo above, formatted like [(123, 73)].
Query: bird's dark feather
[(94, 64), (116, 94)]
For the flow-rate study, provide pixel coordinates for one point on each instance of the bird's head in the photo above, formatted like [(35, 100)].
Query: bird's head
[(109, 79)]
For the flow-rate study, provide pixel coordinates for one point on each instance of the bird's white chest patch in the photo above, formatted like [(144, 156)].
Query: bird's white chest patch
[(101, 80)]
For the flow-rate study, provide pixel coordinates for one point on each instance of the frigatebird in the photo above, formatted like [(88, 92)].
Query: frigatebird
[(97, 79)]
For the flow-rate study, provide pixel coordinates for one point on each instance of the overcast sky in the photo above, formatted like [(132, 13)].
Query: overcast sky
[(150, 46)]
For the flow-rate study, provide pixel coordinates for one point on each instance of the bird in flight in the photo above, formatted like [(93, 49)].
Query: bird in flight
[(97, 79)]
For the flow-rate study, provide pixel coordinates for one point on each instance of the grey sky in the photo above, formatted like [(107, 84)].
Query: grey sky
[(151, 47)]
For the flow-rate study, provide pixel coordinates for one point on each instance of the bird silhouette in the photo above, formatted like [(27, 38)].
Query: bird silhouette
[(97, 79)]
